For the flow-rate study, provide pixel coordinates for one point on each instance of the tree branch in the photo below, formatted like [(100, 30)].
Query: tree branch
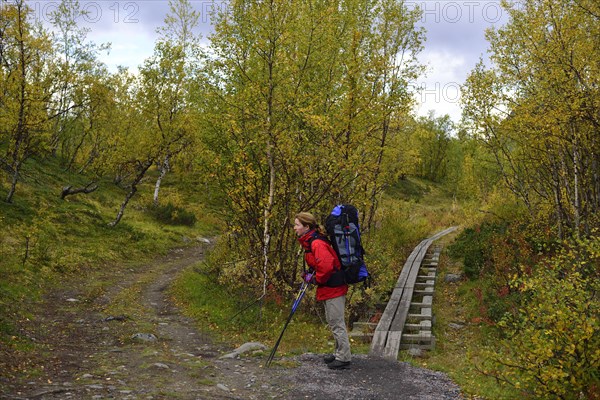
[(68, 190)]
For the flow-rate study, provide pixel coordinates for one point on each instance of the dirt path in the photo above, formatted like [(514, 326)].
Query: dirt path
[(84, 353)]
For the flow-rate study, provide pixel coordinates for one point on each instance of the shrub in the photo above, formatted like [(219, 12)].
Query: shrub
[(473, 246), (173, 215), (551, 341)]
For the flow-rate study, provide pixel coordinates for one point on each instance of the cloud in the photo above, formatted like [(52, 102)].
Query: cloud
[(129, 48), (439, 90), (146, 15), (455, 38), (129, 26), (455, 32)]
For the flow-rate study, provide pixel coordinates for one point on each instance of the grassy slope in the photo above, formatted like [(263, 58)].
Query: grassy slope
[(44, 240)]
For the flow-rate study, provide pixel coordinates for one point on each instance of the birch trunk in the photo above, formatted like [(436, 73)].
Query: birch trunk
[(376, 188), (267, 217), (576, 189), (163, 171), (270, 59), (21, 129), (143, 168), (13, 184)]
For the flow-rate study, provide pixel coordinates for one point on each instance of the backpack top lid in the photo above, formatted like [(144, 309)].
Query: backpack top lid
[(337, 210), (348, 209)]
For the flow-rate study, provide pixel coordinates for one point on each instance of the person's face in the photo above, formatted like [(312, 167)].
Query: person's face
[(299, 228)]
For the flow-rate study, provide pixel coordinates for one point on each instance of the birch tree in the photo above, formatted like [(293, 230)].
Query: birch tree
[(433, 139), (169, 75), (537, 109), (299, 105), (163, 103), (161, 119), (134, 148), (25, 87), (76, 61)]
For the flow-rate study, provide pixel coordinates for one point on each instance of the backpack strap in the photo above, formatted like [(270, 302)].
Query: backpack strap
[(338, 277), (316, 236)]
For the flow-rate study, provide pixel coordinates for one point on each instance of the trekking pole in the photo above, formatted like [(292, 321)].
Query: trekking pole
[(294, 306)]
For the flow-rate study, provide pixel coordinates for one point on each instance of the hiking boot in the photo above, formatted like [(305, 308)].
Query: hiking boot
[(337, 364), (329, 358)]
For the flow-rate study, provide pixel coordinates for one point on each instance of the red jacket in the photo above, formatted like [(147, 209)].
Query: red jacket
[(322, 258)]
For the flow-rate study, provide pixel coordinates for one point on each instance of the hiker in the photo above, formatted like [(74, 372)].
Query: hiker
[(321, 258)]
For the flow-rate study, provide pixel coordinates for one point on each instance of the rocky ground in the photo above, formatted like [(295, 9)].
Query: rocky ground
[(82, 352)]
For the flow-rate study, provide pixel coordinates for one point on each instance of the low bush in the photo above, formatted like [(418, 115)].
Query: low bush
[(473, 246), (173, 215), (550, 343)]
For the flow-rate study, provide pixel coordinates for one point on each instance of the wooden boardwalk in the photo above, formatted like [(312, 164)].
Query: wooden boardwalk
[(417, 278)]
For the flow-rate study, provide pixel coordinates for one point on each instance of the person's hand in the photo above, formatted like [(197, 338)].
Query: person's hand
[(308, 277)]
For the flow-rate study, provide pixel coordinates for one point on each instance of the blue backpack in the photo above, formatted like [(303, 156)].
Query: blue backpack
[(343, 230)]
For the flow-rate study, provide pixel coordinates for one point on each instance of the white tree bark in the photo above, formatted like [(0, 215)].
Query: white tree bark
[(163, 171)]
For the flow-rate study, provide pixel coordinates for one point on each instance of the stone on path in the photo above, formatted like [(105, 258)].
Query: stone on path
[(245, 348), (144, 337), (223, 387), (415, 352), (453, 278)]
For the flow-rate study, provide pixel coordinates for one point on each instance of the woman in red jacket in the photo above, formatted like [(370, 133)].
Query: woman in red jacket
[(331, 288)]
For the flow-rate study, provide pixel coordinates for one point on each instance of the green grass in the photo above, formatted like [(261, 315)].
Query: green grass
[(408, 213), (45, 240), (409, 189), (236, 319)]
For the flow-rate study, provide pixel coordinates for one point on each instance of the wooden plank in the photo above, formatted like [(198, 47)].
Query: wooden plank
[(388, 333), (409, 265), (380, 337), (425, 290), (417, 337), (392, 307), (390, 310), (443, 233), (395, 335), (429, 283), (393, 345), (429, 346), (424, 325), (378, 343), (427, 301), (425, 314)]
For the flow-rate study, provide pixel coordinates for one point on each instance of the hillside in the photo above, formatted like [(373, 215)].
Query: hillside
[(45, 239), (53, 318), (85, 290)]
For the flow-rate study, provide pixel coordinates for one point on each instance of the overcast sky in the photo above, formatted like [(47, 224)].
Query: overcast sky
[(455, 38)]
